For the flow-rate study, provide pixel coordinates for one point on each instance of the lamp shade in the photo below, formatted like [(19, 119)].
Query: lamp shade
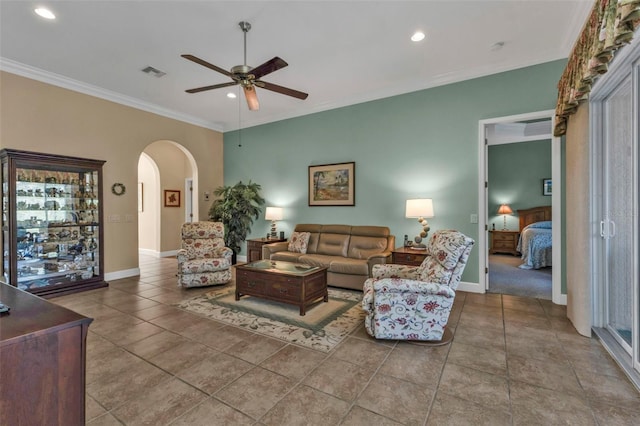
[(273, 213), (419, 207), (504, 209)]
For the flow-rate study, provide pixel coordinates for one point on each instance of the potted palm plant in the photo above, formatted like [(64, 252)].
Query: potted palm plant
[(236, 206)]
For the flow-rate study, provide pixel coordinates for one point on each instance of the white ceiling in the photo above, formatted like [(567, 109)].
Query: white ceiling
[(340, 52)]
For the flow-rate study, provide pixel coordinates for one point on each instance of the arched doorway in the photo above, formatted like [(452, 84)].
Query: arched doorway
[(165, 168)]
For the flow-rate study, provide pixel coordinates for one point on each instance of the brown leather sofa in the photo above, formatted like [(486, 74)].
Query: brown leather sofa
[(349, 252)]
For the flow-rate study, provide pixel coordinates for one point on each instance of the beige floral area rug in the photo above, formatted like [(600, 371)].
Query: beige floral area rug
[(324, 326)]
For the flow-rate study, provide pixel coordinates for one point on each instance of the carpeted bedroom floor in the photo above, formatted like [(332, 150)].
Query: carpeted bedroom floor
[(506, 278)]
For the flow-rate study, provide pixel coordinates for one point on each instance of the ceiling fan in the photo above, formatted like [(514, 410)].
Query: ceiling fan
[(247, 77)]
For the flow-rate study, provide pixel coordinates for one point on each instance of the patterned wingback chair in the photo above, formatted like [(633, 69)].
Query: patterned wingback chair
[(203, 259), (413, 303)]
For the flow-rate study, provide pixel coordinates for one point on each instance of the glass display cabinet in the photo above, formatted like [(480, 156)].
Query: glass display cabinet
[(52, 235)]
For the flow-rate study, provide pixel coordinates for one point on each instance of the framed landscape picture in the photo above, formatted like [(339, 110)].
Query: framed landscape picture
[(171, 198), (332, 184), (546, 187)]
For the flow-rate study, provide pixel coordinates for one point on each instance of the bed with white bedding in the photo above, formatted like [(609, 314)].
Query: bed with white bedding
[(535, 243)]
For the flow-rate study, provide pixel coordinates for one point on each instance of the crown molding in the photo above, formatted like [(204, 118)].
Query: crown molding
[(58, 80)]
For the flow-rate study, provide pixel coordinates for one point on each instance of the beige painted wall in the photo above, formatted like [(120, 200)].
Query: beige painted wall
[(148, 218), (39, 117), (578, 229)]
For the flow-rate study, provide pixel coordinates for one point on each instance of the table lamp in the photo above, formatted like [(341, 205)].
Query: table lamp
[(504, 210), (420, 208), (273, 214)]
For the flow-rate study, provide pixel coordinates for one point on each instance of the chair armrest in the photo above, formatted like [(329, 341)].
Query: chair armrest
[(223, 252), (182, 256), (268, 249), (393, 270), (401, 285)]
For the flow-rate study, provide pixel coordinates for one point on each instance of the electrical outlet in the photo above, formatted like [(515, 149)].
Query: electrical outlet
[(206, 195), (474, 218), (128, 218)]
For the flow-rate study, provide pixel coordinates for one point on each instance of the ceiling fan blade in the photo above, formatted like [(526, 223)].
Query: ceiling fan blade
[(207, 64), (215, 86), (282, 90), (252, 98), (268, 67)]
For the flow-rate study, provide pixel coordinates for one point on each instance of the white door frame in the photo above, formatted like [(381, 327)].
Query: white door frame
[(556, 200)]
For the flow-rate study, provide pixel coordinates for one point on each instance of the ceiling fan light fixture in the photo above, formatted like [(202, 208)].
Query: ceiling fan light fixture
[(231, 95), (417, 36), (252, 98), (44, 12)]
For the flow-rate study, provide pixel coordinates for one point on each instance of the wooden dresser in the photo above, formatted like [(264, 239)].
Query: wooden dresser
[(42, 361), (504, 242)]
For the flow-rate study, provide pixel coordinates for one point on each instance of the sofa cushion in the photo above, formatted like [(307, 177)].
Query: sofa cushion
[(333, 244), (314, 230), (345, 265), (299, 242), (361, 247), (447, 247), (316, 259)]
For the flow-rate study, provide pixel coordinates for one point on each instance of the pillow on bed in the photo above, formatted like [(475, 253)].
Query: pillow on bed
[(546, 224)]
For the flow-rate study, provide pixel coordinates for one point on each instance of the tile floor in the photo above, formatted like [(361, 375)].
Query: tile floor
[(513, 361)]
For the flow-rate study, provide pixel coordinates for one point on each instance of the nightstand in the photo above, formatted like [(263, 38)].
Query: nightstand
[(408, 256), (254, 247), (504, 242)]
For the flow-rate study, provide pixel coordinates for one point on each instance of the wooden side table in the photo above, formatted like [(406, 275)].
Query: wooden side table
[(504, 242), (254, 247), (408, 256)]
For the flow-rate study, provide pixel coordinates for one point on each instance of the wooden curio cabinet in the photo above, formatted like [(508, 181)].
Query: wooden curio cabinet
[(52, 233)]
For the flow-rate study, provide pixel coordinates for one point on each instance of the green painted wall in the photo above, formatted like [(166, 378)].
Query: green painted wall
[(515, 174), (421, 144)]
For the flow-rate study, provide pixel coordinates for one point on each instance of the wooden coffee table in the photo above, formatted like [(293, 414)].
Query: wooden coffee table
[(287, 282)]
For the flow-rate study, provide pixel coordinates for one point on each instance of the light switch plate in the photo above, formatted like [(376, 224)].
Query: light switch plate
[(474, 218)]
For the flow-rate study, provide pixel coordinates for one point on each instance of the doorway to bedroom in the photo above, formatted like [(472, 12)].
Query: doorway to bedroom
[(518, 202), (520, 167)]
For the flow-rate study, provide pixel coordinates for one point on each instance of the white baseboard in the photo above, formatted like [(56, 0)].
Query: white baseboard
[(470, 287), (148, 252), (157, 254), (118, 275)]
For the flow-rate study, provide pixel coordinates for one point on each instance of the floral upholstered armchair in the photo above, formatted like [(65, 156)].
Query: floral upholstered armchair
[(413, 303), (203, 259)]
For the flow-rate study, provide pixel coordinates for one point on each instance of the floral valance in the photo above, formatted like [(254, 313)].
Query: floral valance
[(610, 26)]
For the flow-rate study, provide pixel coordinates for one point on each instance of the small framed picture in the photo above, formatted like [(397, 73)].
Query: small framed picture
[(546, 187), (171, 198)]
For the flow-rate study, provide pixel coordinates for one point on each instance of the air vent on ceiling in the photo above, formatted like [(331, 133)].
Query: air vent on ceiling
[(154, 72)]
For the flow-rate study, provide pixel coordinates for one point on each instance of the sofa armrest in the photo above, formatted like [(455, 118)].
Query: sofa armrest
[(268, 249), (378, 259), (403, 285), (393, 270)]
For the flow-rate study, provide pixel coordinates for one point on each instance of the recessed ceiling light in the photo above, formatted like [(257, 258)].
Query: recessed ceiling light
[(417, 36), (231, 95), (45, 13)]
